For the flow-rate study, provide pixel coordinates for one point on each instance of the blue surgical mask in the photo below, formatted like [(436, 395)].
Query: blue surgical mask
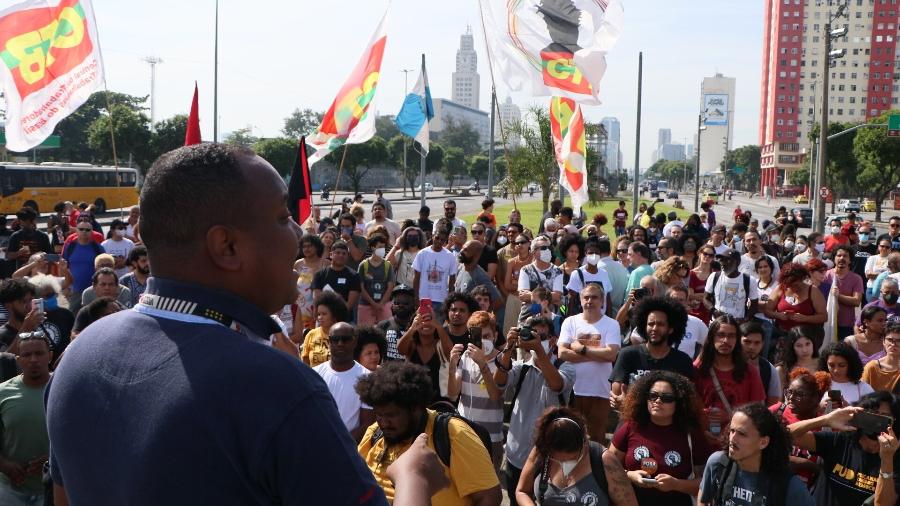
[(51, 303), (535, 308)]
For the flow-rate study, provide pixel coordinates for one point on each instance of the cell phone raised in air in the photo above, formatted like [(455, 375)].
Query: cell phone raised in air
[(51, 258), (834, 395), (640, 293), (871, 424), (475, 336), (425, 306)]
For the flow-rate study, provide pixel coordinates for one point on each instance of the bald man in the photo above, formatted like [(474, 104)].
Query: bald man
[(471, 274)]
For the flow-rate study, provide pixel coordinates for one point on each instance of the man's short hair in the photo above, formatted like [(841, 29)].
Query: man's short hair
[(104, 271), (136, 253), (26, 214), (568, 212), (14, 289), (339, 244), (377, 204), (191, 189), (375, 240), (347, 216), (641, 249), (402, 383), (486, 203), (604, 247), (461, 297), (519, 227), (483, 291), (103, 257)]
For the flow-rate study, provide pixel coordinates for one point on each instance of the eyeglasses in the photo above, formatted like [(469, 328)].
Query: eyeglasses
[(621, 251), (340, 337), (662, 397), (893, 342), (477, 232), (521, 243), (84, 229), (796, 394)]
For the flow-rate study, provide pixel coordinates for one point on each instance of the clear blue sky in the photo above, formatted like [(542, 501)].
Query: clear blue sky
[(277, 55)]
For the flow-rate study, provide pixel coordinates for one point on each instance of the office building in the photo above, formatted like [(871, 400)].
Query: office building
[(510, 115), (466, 82), (447, 110), (717, 103)]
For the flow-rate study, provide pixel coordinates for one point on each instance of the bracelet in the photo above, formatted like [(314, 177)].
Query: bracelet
[(500, 365)]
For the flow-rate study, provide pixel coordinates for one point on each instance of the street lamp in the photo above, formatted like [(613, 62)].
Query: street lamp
[(700, 128)]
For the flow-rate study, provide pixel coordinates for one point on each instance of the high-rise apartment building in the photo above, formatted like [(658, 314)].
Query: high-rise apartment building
[(863, 84), (466, 82), (717, 103), (612, 156), (509, 115), (665, 137)]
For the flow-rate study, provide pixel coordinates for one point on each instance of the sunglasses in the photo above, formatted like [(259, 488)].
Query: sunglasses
[(521, 243), (621, 251), (477, 232), (544, 248), (664, 398), (84, 229), (340, 337)]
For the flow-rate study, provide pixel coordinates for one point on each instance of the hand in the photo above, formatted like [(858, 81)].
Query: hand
[(418, 320), (615, 401), (525, 296), (13, 470), (282, 342), (888, 444), (32, 320), (421, 462), (63, 265), (36, 465), (635, 477), (456, 353), (477, 354), (345, 237), (512, 338), (839, 419), (630, 300), (666, 483)]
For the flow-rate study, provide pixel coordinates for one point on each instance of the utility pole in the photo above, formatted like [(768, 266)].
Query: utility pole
[(697, 174), (153, 61), (637, 138), (405, 93), (490, 181)]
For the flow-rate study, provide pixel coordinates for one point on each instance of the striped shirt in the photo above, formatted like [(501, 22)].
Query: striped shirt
[(474, 401)]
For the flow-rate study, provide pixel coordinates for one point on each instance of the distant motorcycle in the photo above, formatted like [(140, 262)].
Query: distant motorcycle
[(326, 193)]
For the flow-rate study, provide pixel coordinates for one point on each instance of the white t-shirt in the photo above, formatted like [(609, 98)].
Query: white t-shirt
[(764, 295), (748, 266), (730, 295), (694, 334), (551, 277), (435, 269), (342, 386), (722, 248), (849, 391), (119, 249), (601, 276), (592, 378)]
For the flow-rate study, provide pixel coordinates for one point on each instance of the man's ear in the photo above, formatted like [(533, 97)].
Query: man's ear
[(222, 247)]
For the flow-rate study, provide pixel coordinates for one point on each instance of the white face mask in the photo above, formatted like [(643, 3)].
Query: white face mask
[(788, 245), (567, 466), (379, 252), (820, 247), (546, 255), (835, 230), (800, 248), (593, 259), (487, 345), (501, 240)]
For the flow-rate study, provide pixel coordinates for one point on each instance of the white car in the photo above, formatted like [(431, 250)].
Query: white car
[(847, 205), (429, 187)]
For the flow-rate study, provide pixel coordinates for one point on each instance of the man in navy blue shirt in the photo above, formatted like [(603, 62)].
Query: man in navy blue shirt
[(182, 400)]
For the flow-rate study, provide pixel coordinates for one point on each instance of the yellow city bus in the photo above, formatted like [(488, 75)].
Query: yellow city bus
[(42, 186)]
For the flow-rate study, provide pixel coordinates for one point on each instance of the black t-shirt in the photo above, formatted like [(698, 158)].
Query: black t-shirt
[(7, 335), (850, 472), (462, 339), (342, 282), (34, 239), (634, 361), (7, 267), (82, 320), (488, 256), (393, 331), (58, 328), (861, 255)]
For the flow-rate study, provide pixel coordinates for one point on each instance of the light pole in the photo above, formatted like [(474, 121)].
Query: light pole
[(405, 92), (829, 56), (700, 128), (153, 61)]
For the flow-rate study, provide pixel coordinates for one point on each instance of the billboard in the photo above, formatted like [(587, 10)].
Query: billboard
[(716, 106)]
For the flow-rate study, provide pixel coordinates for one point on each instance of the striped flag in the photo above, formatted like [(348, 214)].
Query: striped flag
[(567, 127)]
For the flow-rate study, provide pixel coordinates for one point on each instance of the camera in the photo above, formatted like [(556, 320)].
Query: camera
[(525, 333)]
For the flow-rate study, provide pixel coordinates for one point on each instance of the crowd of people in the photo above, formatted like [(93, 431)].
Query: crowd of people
[(577, 360)]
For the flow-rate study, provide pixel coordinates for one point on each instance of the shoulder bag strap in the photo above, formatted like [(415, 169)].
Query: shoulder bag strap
[(719, 391), (691, 452)]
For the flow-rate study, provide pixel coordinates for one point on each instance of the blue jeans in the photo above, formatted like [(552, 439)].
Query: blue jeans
[(11, 497), (767, 326)]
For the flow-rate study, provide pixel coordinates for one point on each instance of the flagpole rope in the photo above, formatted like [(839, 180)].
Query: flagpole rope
[(337, 183), (487, 48)]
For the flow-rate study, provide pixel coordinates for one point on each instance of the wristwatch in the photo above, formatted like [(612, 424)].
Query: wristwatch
[(886, 476)]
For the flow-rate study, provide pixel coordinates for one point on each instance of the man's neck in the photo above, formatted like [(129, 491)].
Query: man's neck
[(83, 242), (840, 271), (723, 362), (14, 322), (457, 330), (376, 261), (471, 267), (733, 274), (36, 382), (659, 350), (592, 268), (591, 316), (750, 464), (336, 267), (541, 265), (140, 277), (436, 248), (402, 322), (755, 254), (341, 366)]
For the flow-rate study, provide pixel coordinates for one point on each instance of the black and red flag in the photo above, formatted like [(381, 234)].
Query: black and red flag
[(300, 187)]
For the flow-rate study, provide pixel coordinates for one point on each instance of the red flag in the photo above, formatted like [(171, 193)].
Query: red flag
[(192, 135), (300, 186)]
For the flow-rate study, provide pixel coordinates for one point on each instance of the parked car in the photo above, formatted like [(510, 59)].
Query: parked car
[(710, 195), (868, 205), (533, 187), (803, 215), (672, 194), (801, 199), (848, 205), (429, 187)]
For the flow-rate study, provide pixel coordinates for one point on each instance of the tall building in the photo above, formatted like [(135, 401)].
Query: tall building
[(447, 110), (466, 81), (673, 152), (510, 114), (612, 156), (689, 151), (863, 83), (665, 137), (717, 101)]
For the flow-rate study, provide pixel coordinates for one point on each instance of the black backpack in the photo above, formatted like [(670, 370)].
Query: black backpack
[(441, 433), (595, 451), (746, 286), (775, 486), (67, 252)]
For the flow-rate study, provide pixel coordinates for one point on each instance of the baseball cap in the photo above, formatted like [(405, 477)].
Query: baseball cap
[(729, 253), (401, 288), (719, 228)]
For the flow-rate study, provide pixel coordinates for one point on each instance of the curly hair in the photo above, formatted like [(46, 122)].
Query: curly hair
[(465, 298), (819, 381), (791, 273), (600, 219), (815, 264), (402, 383), (559, 429), (668, 271), (708, 352), (404, 239), (482, 319), (787, 357), (335, 304), (675, 313), (367, 335), (315, 242), (775, 454), (689, 414), (848, 353), (570, 240)]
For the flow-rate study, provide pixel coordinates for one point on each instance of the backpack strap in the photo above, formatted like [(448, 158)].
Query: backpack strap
[(716, 277), (442, 435), (596, 451), (512, 402), (67, 251), (725, 479), (746, 285)]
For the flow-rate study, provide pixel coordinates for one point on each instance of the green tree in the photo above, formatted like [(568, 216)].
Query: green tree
[(478, 167), (132, 133), (454, 164), (279, 151), (386, 127), (747, 158), (460, 134), (360, 158), (242, 137), (534, 160), (301, 123), (73, 131), (879, 161), (842, 167), (434, 161), (168, 135)]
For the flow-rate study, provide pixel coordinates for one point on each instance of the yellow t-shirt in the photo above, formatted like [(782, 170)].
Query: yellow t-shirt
[(315, 347), (878, 379), (470, 468)]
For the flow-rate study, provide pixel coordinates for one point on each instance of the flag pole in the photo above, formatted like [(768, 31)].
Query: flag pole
[(423, 197), (337, 183), (216, 80), (637, 135)]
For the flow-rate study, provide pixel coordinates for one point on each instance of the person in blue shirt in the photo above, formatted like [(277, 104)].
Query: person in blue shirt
[(182, 400)]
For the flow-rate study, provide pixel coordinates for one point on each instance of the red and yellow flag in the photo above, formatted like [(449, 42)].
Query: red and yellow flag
[(51, 65), (567, 127)]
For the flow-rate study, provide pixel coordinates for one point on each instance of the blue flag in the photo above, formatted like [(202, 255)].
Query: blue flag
[(417, 111)]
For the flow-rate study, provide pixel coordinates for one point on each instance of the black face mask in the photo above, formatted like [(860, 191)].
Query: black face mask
[(890, 298)]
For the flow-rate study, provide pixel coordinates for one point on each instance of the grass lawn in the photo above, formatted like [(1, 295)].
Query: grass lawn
[(533, 210)]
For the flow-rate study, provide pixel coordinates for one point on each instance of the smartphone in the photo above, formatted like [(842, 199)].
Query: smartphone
[(51, 258), (834, 395), (425, 306), (475, 336), (871, 423), (648, 481), (640, 293), (347, 231), (37, 305)]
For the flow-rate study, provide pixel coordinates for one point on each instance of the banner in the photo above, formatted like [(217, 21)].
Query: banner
[(716, 107), (299, 187), (192, 133), (51, 65), (417, 111), (351, 117), (552, 47), (567, 128)]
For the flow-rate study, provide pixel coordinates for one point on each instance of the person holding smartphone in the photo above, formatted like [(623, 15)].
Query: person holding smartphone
[(858, 461)]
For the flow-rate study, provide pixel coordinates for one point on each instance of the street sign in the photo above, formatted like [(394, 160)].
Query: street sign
[(823, 192), (738, 170), (894, 125), (49, 143)]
